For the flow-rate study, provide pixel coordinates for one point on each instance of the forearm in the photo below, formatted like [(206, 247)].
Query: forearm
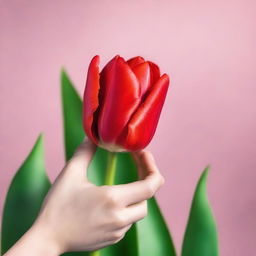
[(35, 242)]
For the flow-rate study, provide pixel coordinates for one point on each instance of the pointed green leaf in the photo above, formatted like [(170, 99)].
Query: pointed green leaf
[(158, 241), (72, 115), (154, 237), (25, 196), (201, 233)]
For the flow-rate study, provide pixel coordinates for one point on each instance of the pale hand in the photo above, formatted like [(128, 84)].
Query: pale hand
[(79, 216)]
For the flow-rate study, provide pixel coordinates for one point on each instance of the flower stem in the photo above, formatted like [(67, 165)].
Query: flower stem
[(95, 253), (111, 168), (109, 180)]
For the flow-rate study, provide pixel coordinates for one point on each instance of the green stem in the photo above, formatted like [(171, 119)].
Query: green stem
[(95, 253), (111, 168), (109, 180)]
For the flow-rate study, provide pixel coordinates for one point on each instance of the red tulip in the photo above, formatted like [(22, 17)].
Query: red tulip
[(123, 102)]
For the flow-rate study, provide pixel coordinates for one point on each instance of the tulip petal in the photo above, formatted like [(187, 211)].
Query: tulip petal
[(119, 97), (106, 75), (91, 102), (135, 61), (154, 71), (143, 123), (143, 74)]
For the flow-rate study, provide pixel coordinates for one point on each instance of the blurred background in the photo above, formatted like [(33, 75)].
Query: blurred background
[(207, 48)]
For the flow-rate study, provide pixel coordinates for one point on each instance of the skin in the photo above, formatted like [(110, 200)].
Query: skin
[(78, 216)]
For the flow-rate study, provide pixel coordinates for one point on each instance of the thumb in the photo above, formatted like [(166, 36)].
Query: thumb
[(78, 164)]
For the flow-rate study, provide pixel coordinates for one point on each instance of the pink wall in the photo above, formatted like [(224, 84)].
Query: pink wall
[(208, 48)]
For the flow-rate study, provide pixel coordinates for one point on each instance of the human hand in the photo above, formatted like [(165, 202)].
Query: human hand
[(79, 216)]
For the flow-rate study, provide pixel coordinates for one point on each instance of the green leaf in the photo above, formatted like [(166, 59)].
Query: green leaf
[(201, 233), (72, 115), (156, 241), (153, 235), (25, 196)]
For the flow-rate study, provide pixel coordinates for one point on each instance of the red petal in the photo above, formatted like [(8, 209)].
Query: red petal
[(135, 61), (154, 71), (90, 103), (142, 126), (119, 98), (106, 75), (142, 72)]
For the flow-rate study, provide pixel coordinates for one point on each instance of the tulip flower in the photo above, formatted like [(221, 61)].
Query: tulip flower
[(123, 102)]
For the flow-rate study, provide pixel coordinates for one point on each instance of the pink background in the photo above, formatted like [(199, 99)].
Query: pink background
[(207, 47)]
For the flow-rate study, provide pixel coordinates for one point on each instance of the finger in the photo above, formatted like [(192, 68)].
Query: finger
[(144, 161), (81, 159), (132, 214), (144, 189), (137, 211)]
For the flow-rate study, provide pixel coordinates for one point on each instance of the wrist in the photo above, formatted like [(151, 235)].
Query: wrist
[(44, 240), (37, 241)]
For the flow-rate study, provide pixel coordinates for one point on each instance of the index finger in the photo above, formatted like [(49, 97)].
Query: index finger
[(151, 180)]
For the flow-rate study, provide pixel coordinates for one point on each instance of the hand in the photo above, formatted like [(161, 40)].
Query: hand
[(79, 216)]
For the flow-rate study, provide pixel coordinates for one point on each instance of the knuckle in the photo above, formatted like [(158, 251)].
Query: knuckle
[(113, 201), (148, 153), (150, 191), (119, 220), (110, 197), (117, 236)]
